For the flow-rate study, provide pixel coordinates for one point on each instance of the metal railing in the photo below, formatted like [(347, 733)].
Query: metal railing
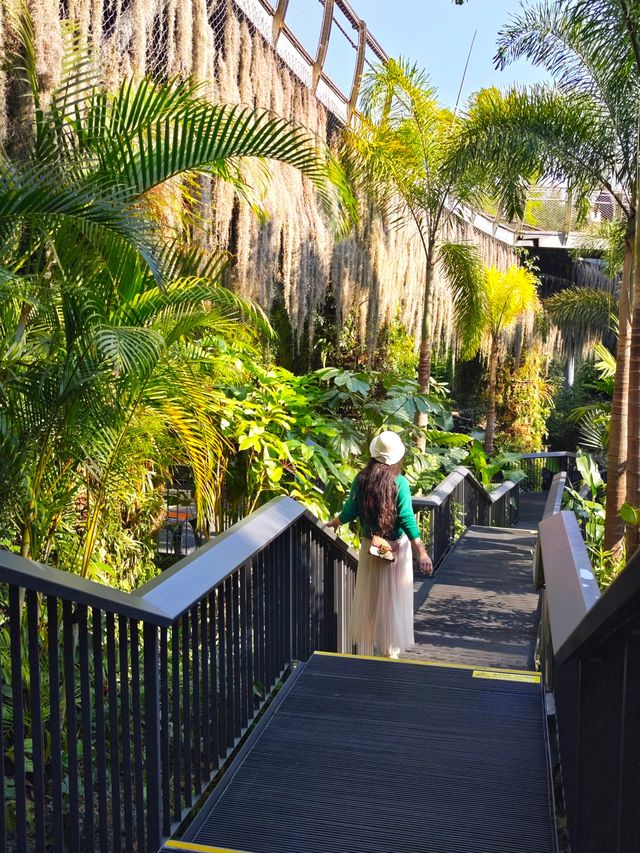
[(119, 709), (326, 44), (591, 662), (540, 469), (460, 501)]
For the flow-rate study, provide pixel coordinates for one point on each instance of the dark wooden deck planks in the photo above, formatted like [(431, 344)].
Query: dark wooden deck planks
[(481, 608), (531, 509), (362, 756)]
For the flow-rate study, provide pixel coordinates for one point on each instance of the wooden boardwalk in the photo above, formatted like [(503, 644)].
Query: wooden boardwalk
[(481, 608), (531, 509), (365, 755), (374, 756)]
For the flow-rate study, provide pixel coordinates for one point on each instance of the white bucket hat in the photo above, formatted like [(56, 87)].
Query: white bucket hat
[(387, 447)]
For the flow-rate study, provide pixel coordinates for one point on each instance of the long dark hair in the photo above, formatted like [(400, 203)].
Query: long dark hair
[(378, 490)]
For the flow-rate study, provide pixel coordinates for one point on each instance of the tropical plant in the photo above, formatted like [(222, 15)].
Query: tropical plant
[(398, 155), (594, 418), (584, 316), (504, 465), (589, 506), (505, 298), (306, 436), (113, 325), (583, 132), (524, 401)]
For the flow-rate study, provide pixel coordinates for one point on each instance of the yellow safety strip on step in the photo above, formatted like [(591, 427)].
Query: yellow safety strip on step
[(198, 848), (437, 663), (495, 675)]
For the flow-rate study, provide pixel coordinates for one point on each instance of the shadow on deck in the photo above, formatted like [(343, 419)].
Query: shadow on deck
[(481, 609)]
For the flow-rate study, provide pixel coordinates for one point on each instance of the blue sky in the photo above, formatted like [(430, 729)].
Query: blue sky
[(437, 35)]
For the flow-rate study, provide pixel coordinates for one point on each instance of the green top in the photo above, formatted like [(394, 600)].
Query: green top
[(405, 519)]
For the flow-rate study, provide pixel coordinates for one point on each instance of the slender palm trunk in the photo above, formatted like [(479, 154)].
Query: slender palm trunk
[(491, 406), (617, 455), (633, 455), (424, 363)]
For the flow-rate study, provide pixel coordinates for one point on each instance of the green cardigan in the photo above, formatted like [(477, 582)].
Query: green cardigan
[(405, 520)]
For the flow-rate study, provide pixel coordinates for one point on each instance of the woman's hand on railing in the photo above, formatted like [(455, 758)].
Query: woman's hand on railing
[(334, 524), (424, 560)]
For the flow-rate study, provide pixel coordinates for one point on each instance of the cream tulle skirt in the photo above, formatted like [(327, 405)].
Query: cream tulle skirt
[(382, 609)]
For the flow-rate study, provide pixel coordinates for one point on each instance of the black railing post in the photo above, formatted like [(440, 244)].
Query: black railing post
[(292, 627), (152, 734)]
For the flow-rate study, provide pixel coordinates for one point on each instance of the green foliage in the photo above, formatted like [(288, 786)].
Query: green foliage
[(499, 466), (590, 511), (524, 402), (307, 436), (581, 413), (630, 514), (396, 354), (594, 418), (115, 333)]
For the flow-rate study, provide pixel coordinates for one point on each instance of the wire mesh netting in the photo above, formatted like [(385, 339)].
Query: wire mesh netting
[(167, 38), (340, 62)]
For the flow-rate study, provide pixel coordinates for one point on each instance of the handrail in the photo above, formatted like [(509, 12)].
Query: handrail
[(571, 586), (461, 501), (553, 454), (157, 686), (556, 493), (176, 590), (553, 505), (444, 489), (619, 602), (500, 490), (165, 598), (591, 664), (539, 466), (47, 580)]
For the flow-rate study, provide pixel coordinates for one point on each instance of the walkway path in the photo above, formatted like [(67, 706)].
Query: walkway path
[(374, 756), (531, 509), (442, 751), (481, 607)]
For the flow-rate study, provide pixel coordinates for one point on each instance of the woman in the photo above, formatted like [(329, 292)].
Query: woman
[(382, 610)]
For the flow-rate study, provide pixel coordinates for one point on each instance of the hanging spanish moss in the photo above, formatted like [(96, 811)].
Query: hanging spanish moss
[(377, 272), (3, 94)]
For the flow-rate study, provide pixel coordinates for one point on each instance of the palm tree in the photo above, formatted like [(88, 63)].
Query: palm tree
[(506, 298), (111, 324), (584, 316), (583, 131), (397, 153)]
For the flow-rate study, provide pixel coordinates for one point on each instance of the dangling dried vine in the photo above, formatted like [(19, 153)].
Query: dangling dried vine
[(377, 271)]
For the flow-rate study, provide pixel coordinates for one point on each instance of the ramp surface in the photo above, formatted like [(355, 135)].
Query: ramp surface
[(363, 756), (481, 607), (531, 509)]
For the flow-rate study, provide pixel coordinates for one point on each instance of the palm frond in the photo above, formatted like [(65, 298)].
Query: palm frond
[(129, 349), (465, 275), (208, 138), (585, 46), (606, 364), (520, 135), (582, 314)]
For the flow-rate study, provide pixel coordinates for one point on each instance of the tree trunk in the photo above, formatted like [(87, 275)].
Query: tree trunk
[(617, 455), (424, 363), (490, 430), (633, 455), (570, 368)]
